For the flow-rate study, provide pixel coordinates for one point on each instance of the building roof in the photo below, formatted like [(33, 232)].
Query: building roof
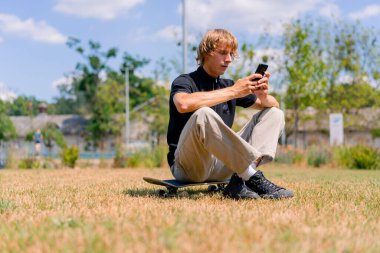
[(68, 124)]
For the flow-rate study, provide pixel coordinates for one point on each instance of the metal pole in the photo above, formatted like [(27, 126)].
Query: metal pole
[(126, 108), (283, 136), (184, 37)]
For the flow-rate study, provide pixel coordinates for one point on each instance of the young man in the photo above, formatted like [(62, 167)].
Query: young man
[(202, 145)]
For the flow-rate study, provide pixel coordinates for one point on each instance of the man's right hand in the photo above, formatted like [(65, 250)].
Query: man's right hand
[(246, 86)]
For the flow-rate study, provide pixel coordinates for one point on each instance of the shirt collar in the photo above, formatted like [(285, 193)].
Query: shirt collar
[(206, 77)]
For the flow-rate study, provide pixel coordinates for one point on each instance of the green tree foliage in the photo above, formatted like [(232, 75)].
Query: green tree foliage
[(23, 105), (87, 74), (106, 120), (66, 103), (98, 90), (51, 134), (7, 129), (356, 95), (304, 67), (140, 88), (351, 55), (330, 65)]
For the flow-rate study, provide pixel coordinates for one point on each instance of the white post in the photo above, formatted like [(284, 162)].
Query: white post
[(126, 108), (336, 129), (184, 37)]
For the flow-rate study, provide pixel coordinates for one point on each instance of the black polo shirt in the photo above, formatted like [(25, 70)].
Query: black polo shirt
[(198, 81)]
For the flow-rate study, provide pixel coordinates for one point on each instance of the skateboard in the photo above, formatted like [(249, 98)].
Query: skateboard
[(173, 185)]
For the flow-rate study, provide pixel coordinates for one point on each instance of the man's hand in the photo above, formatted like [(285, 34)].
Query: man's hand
[(261, 89), (246, 86)]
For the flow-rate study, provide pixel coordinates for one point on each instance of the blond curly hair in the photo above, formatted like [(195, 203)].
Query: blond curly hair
[(212, 40)]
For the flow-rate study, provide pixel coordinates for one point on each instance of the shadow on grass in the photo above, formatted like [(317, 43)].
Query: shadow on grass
[(181, 193)]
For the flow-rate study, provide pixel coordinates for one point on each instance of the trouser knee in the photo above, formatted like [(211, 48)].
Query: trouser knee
[(204, 114), (276, 115)]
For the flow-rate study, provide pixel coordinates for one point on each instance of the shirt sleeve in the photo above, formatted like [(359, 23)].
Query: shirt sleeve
[(181, 84), (246, 101)]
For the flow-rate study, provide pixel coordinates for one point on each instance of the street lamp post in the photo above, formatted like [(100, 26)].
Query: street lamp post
[(126, 108), (184, 37)]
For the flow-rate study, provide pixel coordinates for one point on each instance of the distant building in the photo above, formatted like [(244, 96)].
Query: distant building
[(73, 128), (313, 129)]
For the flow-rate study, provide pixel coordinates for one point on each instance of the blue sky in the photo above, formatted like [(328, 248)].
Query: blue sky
[(34, 57)]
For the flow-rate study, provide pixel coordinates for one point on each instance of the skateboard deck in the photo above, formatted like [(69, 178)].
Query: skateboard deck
[(173, 185)]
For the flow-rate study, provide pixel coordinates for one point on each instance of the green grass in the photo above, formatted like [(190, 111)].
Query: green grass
[(114, 210)]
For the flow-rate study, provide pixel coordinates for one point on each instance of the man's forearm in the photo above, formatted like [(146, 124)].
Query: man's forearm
[(268, 101), (185, 102)]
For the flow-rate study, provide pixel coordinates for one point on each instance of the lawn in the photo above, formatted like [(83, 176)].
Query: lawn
[(114, 210)]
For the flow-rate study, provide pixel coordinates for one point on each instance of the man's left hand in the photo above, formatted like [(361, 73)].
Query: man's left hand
[(261, 89)]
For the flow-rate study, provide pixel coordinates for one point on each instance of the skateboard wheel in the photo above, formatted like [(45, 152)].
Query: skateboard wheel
[(183, 194), (212, 188), (161, 193)]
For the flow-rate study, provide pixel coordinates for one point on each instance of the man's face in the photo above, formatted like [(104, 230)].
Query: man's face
[(218, 61)]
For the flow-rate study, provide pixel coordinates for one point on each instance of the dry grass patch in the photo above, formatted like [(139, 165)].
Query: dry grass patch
[(112, 210)]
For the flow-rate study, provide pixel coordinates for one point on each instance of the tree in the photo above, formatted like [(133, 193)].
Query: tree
[(66, 103), (87, 75), (7, 129), (304, 68), (98, 90), (106, 119), (351, 54), (24, 105), (140, 88), (331, 65), (51, 134)]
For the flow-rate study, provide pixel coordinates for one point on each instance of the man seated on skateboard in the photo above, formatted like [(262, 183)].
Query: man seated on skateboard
[(202, 145)]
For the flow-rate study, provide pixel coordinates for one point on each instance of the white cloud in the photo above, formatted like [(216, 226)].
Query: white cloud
[(6, 94), (1, 39), (68, 80), (368, 11), (343, 79), (98, 9), (62, 81), (36, 30), (174, 33), (246, 16), (330, 10), (171, 33)]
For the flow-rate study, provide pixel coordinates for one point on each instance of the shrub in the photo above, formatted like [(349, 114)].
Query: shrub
[(365, 157), (49, 163), (289, 156), (341, 155), (358, 157), (70, 155), (148, 158), (29, 163), (10, 161), (136, 159), (157, 157), (375, 133), (120, 159), (317, 156)]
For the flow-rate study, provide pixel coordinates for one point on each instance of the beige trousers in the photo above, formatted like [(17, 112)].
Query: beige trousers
[(210, 150)]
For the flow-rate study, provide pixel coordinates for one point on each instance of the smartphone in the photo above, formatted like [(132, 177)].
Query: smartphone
[(260, 70)]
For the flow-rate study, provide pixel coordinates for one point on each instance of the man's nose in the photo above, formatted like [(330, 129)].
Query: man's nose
[(228, 58)]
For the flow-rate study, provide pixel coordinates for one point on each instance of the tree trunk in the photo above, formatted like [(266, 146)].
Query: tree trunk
[(296, 121)]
